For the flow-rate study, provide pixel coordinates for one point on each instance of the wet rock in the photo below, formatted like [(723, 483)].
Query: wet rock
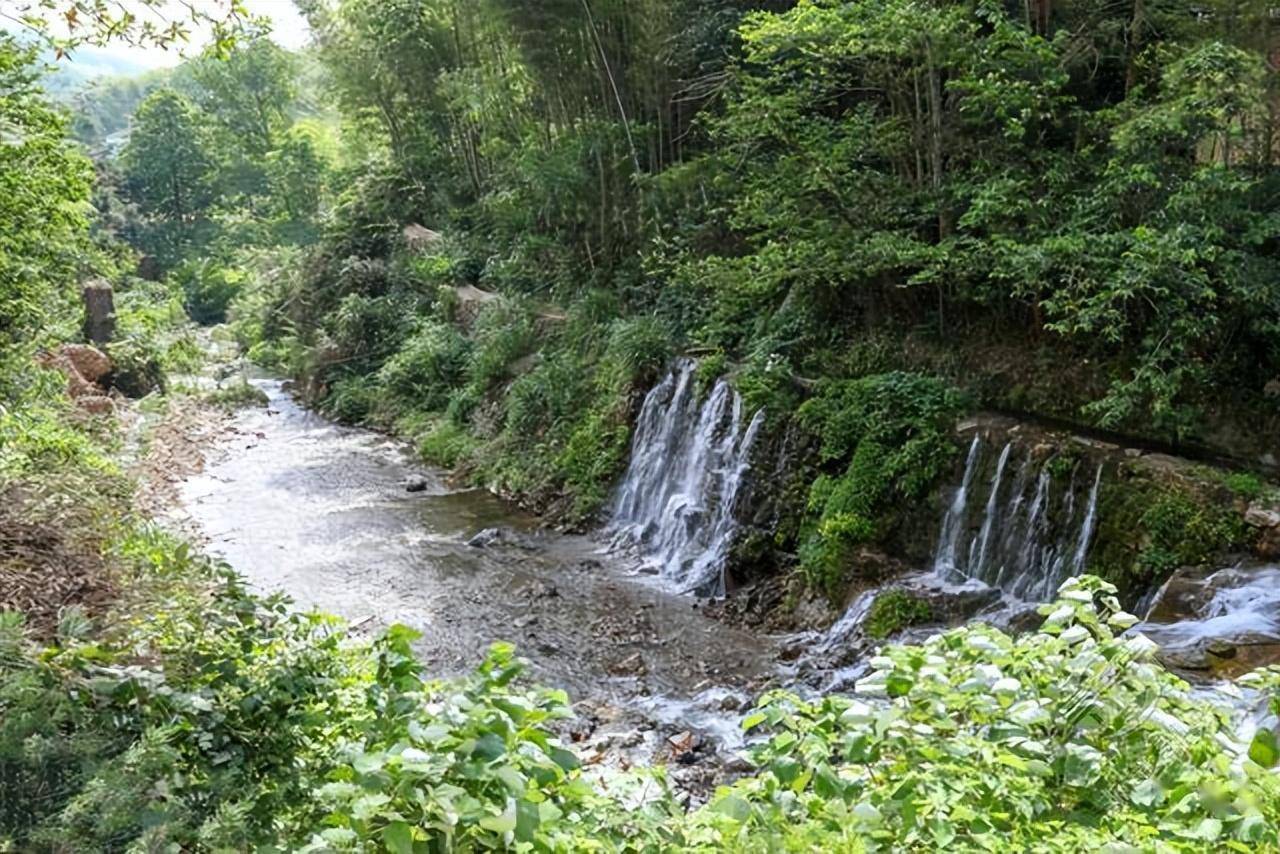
[(731, 703), (490, 537), (543, 590), (417, 484), (1184, 596), (96, 404), (684, 742), (632, 665), (1268, 544), (1266, 518), (953, 606), (1260, 516)]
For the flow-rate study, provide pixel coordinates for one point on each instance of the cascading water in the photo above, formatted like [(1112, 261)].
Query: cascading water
[(1030, 533), (688, 462)]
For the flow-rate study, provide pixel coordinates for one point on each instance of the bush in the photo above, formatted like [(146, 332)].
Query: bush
[(238, 395), (137, 366), (1065, 739), (208, 289), (446, 444), (894, 610), (1148, 528), (504, 332), (638, 351), (888, 436), (426, 369), (351, 399)]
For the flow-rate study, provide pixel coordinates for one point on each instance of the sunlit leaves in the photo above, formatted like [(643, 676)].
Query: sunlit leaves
[(979, 740)]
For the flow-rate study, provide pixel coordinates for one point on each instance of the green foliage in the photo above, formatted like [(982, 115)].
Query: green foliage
[(351, 399), (427, 367), (1149, 527), (208, 289), (446, 444), (168, 169), (894, 610), (1068, 738), (237, 395), (44, 194), (137, 366), (882, 437)]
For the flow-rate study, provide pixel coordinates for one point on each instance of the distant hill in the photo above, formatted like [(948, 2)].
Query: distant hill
[(87, 63)]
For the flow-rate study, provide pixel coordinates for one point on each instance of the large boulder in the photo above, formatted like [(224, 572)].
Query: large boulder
[(419, 238), (90, 362)]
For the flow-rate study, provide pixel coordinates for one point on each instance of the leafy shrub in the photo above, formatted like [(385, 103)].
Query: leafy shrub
[(768, 382), (1148, 528), (1069, 738), (427, 368), (894, 610), (593, 456), (237, 395), (183, 355), (351, 399), (446, 444), (208, 289), (546, 398), (638, 350), (892, 434), (137, 366), (503, 332), (368, 330)]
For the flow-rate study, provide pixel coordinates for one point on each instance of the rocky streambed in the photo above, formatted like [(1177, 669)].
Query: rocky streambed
[(345, 520), (348, 521)]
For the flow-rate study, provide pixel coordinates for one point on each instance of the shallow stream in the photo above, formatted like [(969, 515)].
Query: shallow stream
[(320, 511)]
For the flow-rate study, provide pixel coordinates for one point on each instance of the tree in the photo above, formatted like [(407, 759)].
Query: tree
[(296, 175), (249, 93), (44, 191), (167, 168), (145, 23)]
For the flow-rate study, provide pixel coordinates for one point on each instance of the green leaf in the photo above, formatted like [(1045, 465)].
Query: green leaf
[(398, 837), (1264, 749), (566, 759), (734, 807), (501, 824)]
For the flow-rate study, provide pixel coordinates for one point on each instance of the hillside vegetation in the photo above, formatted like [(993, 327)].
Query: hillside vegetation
[(490, 226)]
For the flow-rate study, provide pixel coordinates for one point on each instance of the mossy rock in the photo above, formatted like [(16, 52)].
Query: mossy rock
[(895, 610), (1152, 523)]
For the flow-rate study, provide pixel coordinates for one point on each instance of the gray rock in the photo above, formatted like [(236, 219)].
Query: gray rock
[(99, 312)]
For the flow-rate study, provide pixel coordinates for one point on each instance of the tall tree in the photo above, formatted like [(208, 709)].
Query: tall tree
[(167, 167), (249, 93)]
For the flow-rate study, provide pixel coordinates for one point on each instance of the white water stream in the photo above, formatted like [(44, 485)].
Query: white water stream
[(676, 505), (1031, 534)]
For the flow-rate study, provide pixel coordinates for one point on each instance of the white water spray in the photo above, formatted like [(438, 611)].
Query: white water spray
[(677, 502)]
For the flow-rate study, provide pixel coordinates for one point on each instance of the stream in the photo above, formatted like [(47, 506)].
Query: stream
[(298, 504), (325, 513)]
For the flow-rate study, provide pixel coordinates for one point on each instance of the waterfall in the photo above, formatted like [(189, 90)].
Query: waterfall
[(852, 619), (689, 461), (1027, 534), (944, 562)]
